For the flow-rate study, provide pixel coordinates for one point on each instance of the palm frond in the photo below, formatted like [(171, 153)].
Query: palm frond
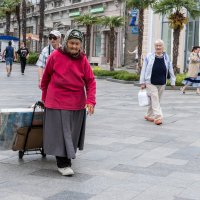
[(86, 19), (8, 5), (139, 4), (112, 21), (170, 6)]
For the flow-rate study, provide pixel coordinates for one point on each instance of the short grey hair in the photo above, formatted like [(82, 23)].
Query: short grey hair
[(159, 41)]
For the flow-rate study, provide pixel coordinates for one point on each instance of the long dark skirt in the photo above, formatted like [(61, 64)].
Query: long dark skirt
[(64, 132), (194, 82)]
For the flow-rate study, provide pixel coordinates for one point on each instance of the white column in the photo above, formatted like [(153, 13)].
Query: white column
[(150, 30)]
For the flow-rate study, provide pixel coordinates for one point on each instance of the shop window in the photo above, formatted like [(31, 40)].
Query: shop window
[(166, 36), (192, 38), (29, 29), (15, 33), (57, 4), (76, 1), (96, 42)]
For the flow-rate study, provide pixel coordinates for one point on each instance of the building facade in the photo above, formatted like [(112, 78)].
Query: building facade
[(59, 14)]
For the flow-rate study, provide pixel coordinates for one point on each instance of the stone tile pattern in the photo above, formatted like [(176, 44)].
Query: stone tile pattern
[(125, 157)]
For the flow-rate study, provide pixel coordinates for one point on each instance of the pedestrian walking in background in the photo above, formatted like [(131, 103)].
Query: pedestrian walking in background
[(23, 53), (135, 57), (135, 53), (153, 77), (193, 76), (54, 43), (10, 56), (68, 89)]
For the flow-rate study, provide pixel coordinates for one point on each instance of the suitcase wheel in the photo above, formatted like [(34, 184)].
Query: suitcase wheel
[(20, 154), (43, 154)]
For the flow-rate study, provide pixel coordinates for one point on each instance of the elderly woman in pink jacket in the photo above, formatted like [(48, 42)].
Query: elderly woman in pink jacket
[(68, 89)]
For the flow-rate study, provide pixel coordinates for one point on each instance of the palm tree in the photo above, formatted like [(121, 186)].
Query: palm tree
[(87, 20), (17, 12), (2, 14), (24, 21), (141, 5), (112, 22), (41, 27), (176, 11), (7, 8)]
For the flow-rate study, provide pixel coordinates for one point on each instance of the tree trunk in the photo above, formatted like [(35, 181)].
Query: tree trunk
[(176, 35), (112, 47), (41, 27), (18, 21), (140, 37), (8, 23), (88, 35), (24, 21)]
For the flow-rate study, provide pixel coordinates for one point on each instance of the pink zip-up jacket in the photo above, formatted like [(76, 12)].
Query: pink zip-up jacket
[(68, 83)]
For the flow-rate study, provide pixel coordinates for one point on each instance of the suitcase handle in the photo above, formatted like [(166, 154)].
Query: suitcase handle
[(37, 104)]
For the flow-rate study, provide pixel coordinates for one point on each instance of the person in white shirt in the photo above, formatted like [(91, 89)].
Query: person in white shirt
[(54, 43)]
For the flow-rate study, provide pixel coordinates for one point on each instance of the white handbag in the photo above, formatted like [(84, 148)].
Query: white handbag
[(143, 98)]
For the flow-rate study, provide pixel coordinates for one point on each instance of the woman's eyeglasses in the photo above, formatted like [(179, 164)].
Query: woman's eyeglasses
[(52, 37)]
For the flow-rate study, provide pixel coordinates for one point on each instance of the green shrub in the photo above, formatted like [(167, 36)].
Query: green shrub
[(124, 75), (96, 68), (179, 79), (120, 74), (33, 57), (127, 76), (101, 72)]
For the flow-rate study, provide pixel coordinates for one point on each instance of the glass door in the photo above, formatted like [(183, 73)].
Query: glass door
[(192, 39)]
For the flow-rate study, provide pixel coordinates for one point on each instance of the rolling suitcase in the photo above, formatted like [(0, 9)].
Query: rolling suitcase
[(29, 138)]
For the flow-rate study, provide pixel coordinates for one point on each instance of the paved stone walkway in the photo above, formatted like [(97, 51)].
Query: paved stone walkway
[(125, 157)]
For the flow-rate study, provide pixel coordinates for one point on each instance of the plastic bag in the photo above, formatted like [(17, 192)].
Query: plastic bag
[(143, 98)]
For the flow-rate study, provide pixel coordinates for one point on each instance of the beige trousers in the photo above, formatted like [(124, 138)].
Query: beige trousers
[(155, 92)]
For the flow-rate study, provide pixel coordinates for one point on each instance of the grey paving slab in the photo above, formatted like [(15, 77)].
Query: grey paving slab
[(124, 192), (55, 175), (20, 197), (68, 195), (191, 192), (177, 198), (154, 171), (125, 157), (159, 192)]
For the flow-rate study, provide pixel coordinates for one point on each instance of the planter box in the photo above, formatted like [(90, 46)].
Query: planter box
[(120, 81), (136, 83)]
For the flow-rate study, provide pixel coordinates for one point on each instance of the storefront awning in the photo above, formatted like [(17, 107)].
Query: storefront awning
[(74, 14), (32, 36), (97, 10), (9, 38)]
